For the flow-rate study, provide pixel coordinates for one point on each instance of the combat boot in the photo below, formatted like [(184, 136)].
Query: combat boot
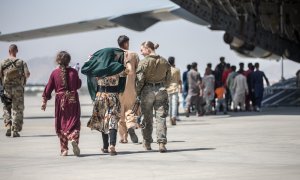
[(133, 136), (76, 149), (147, 146), (162, 148), (173, 121), (16, 134), (8, 132), (187, 112)]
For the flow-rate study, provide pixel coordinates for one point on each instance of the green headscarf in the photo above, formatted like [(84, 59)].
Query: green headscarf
[(103, 63)]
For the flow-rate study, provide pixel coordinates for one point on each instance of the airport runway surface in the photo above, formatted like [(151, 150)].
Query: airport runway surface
[(241, 146)]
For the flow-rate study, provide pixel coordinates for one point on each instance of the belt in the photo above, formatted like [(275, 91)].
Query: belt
[(110, 89), (154, 84)]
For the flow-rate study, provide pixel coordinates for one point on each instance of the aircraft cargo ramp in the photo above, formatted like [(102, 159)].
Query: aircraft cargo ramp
[(283, 93)]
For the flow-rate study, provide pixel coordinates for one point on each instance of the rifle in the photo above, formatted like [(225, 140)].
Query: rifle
[(5, 100), (134, 110)]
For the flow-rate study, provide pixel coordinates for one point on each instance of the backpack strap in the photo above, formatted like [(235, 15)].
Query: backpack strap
[(13, 62)]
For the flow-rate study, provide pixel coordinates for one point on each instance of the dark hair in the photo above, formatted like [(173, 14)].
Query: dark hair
[(256, 65), (122, 39), (227, 65), (150, 45), (233, 68), (189, 67), (13, 47), (209, 65), (63, 59), (241, 64), (222, 58), (171, 60), (194, 65), (250, 65), (207, 71)]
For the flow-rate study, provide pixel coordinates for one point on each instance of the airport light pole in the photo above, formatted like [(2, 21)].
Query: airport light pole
[(281, 31), (282, 69)]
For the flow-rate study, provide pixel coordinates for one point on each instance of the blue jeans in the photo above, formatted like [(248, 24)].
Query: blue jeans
[(173, 105), (223, 103), (184, 95)]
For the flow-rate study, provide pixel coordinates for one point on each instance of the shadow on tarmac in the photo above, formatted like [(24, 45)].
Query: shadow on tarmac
[(43, 135), (151, 151), (176, 141), (265, 111), (169, 151)]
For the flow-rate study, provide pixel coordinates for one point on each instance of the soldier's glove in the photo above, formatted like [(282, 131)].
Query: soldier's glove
[(5, 100), (2, 95), (138, 99)]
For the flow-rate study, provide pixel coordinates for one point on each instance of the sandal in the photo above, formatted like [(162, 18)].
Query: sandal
[(122, 141), (64, 153), (112, 151), (104, 150)]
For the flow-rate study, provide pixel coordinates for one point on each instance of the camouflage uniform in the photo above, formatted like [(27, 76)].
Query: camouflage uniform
[(153, 76), (14, 90)]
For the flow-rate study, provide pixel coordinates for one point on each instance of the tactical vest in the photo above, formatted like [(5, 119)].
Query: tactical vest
[(13, 72)]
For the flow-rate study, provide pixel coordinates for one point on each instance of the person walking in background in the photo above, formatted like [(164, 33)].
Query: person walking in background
[(194, 95), (229, 82), (219, 72), (258, 86), (13, 77), (153, 78), (226, 72), (298, 79), (220, 93), (127, 122), (65, 81), (240, 89), (209, 66), (249, 97), (241, 69), (225, 75), (185, 85), (173, 90), (208, 85)]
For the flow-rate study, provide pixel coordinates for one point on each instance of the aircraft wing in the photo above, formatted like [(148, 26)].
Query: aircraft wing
[(81, 26), (138, 21)]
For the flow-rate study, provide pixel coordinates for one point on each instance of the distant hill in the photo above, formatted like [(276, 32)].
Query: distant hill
[(41, 68)]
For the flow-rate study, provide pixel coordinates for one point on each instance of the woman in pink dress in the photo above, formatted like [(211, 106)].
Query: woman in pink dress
[(65, 81)]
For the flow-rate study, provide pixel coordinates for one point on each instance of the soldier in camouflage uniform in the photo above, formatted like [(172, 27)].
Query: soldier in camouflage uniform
[(13, 74), (153, 77)]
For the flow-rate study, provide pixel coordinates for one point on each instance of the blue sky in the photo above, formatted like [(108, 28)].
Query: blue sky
[(186, 41)]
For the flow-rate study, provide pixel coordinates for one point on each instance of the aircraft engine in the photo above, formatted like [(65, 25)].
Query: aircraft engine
[(248, 50)]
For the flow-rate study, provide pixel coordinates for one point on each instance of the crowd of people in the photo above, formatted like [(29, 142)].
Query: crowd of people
[(127, 93), (223, 89)]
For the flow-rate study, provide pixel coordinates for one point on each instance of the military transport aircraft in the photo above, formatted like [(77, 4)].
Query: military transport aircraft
[(253, 28)]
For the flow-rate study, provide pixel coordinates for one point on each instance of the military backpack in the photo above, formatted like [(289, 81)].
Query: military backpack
[(13, 72)]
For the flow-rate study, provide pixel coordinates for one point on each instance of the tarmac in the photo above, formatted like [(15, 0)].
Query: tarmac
[(238, 146)]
